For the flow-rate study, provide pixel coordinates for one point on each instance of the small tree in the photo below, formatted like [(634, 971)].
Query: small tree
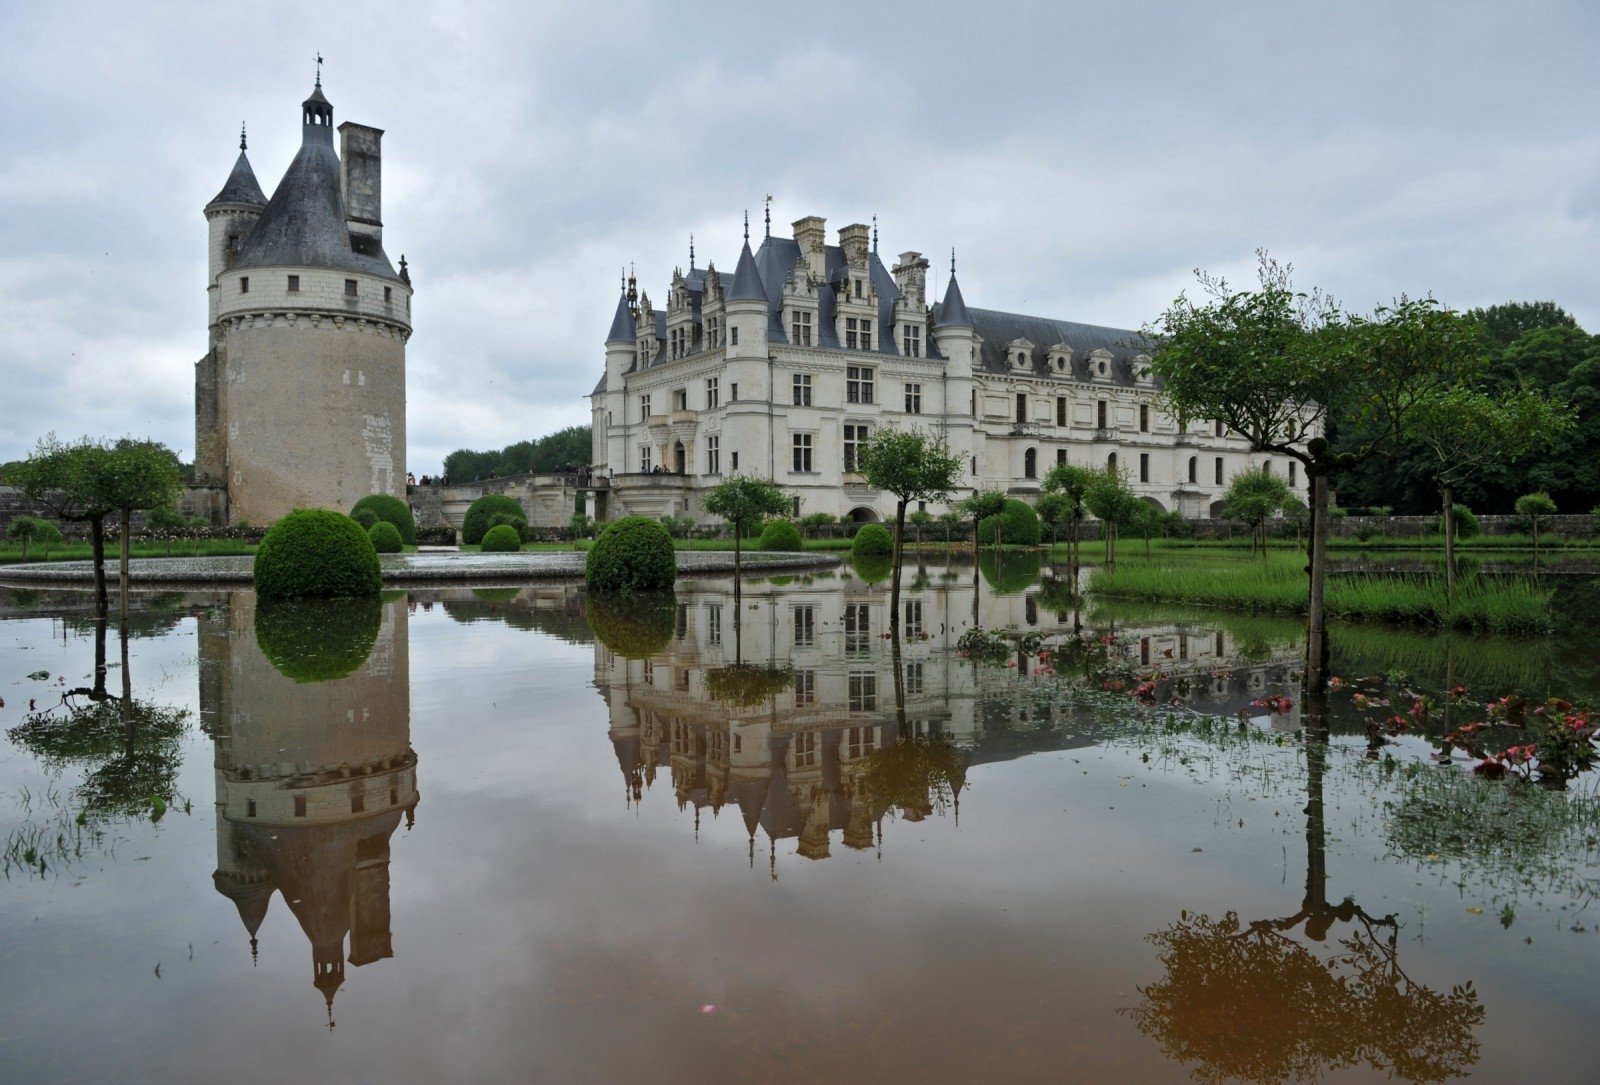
[(1072, 481), (1112, 501), (744, 501), (1145, 521), (581, 524), (24, 529), (979, 506), (949, 518), (1254, 496), (1052, 511), (1533, 506), (914, 467), (921, 518)]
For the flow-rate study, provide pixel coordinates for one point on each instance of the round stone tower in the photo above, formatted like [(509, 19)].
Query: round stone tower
[(301, 400)]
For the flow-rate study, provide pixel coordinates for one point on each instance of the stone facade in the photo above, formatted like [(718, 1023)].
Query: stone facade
[(783, 370), (301, 399)]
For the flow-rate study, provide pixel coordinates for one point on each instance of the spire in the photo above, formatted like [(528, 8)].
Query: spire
[(241, 186), (746, 279), (747, 228), (769, 214), (874, 235), (691, 252), (242, 141), (622, 321), (953, 312)]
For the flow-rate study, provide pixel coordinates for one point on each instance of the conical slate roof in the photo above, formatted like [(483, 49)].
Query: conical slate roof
[(622, 323), (241, 187), (746, 279), (953, 312)]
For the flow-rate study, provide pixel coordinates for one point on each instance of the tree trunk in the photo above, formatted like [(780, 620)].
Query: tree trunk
[(894, 577), (1449, 543), (1316, 610), (97, 539), (122, 570)]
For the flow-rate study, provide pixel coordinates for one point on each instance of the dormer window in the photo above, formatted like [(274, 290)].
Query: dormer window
[(1022, 359), (713, 332), (857, 333), (911, 341), (800, 327), (856, 287)]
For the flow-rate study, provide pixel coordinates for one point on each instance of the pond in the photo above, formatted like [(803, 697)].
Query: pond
[(514, 833)]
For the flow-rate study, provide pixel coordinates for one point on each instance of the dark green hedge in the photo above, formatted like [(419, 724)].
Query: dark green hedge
[(315, 640), (780, 535), (1019, 521), (316, 552), (391, 510), (632, 554), (637, 625), (385, 538), (501, 539), (872, 539), (482, 512), (366, 518)]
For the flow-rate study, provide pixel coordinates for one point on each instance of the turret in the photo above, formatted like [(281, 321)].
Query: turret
[(230, 216), (953, 330), (747, 307)]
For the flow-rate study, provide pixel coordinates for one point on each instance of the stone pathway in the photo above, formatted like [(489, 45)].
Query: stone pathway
[(422, 567)]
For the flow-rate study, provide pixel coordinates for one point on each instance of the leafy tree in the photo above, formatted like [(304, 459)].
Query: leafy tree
[(744, 501), (1112, 501), (1072, 481), (1146, 522), (1465, 430), (1271, 364), (1052, 511), (1255, 497), (24, 529), (921, 518), (1505, 324), (1533, 506), (914, 466), (949, 518), (567, 447), (978, 507)]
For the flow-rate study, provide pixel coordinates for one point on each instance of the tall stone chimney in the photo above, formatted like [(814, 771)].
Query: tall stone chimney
[(811, 235), (360, 178), (855, 240)]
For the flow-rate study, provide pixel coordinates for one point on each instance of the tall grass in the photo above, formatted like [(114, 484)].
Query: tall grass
[(1279, 584)]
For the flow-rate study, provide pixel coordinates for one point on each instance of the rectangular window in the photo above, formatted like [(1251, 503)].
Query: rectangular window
[(358, 803), (644, 406), (680, 399), (914, 679), (854, 437), (682, 629), (862, 741), (294, 284), (644, 459), (857, 333), (802, 389), (805, 688), (733, 461), (800, 447), (1022, 407), (714, 455), (1061, 410), (863, 691), (913, 626), (1061, 455), (1103, 415), (733, 337), (856, 287), (1219, 470), (913, 399), (250, 808), (1292, 466), (858, 384), (911, 341), (800, 327), (244, 284), (857, 629), (866, 334), (388, 294), (299, 806), (805, 750), (1144, 467), (714, 623), (1219, 429), (733, 392), (805, 626), (349, 288), (713, 336), (1144, 418), (711, 393)]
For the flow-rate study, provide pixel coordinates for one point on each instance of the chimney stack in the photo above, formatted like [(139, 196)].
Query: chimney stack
[(360, 171)]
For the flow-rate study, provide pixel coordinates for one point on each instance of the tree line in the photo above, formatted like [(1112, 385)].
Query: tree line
[(569, 447)]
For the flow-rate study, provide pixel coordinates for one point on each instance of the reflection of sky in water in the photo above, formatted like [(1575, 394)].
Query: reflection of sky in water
[(544, 928)]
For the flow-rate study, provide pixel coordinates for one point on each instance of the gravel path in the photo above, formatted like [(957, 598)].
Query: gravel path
[(422, 567)]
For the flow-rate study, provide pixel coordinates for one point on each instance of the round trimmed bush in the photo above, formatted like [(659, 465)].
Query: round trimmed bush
[(780, 535), (632, 554), (872, 567), (635, 626), (390, 510), (501, 539), (366, 518), (481, 514), (317, 640), (385, 537), (1466, 523), (316, 552), (872, 539), (1010, 572), (1015, 525)]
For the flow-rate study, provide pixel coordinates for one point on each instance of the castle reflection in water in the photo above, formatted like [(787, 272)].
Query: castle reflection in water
[(315, 771)]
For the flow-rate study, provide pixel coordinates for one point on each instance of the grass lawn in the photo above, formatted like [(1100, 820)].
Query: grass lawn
[(179, 548)]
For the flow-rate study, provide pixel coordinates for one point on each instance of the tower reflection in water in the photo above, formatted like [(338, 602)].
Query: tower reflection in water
[(308, 707)]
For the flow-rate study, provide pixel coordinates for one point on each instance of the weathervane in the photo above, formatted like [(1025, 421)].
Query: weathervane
[(319, 69), (874, 233), (769, 214)]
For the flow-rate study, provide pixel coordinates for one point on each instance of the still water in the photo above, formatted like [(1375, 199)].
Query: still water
[(458, 836)]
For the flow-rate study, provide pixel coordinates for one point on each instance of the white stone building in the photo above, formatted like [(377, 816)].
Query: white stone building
[(300, 400), (782, 370)]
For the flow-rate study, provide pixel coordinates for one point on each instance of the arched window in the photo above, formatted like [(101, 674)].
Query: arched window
[(1111, 461), (1030, 463), (1144, 418), (1266, 467), (1194, 468), (1292, 466)]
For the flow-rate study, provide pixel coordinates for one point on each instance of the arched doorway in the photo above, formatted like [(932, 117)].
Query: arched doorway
[(861, 514), (680, 459), (1153, 503)]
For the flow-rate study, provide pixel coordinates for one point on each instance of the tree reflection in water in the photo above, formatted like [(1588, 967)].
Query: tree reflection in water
[(1249, 1002)]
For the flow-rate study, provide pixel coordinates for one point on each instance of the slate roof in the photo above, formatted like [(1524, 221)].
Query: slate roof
[(747, 285), (622, 323), (304, 222), (999, 330), (241, 186), (953, 310)]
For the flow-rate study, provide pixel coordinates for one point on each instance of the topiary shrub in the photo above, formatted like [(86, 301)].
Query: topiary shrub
[(1010, 572), (501, 539), (635, 626), (366, 518), (872, 568), (872, 539), (317, 640), (780, 535), (1466, 524), (390, 510), (385, 537), (1015, 525), (632, 554), (480, 516), (316, 552)]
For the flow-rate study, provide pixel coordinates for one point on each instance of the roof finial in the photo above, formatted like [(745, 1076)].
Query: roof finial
[(747, 226), (319, 69), (623, 275), (691, 252), (241, 136), (769, 214), (952, 259), (874, 233)]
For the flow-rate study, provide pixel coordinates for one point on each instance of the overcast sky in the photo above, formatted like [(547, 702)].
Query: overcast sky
[(1083, 159)]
